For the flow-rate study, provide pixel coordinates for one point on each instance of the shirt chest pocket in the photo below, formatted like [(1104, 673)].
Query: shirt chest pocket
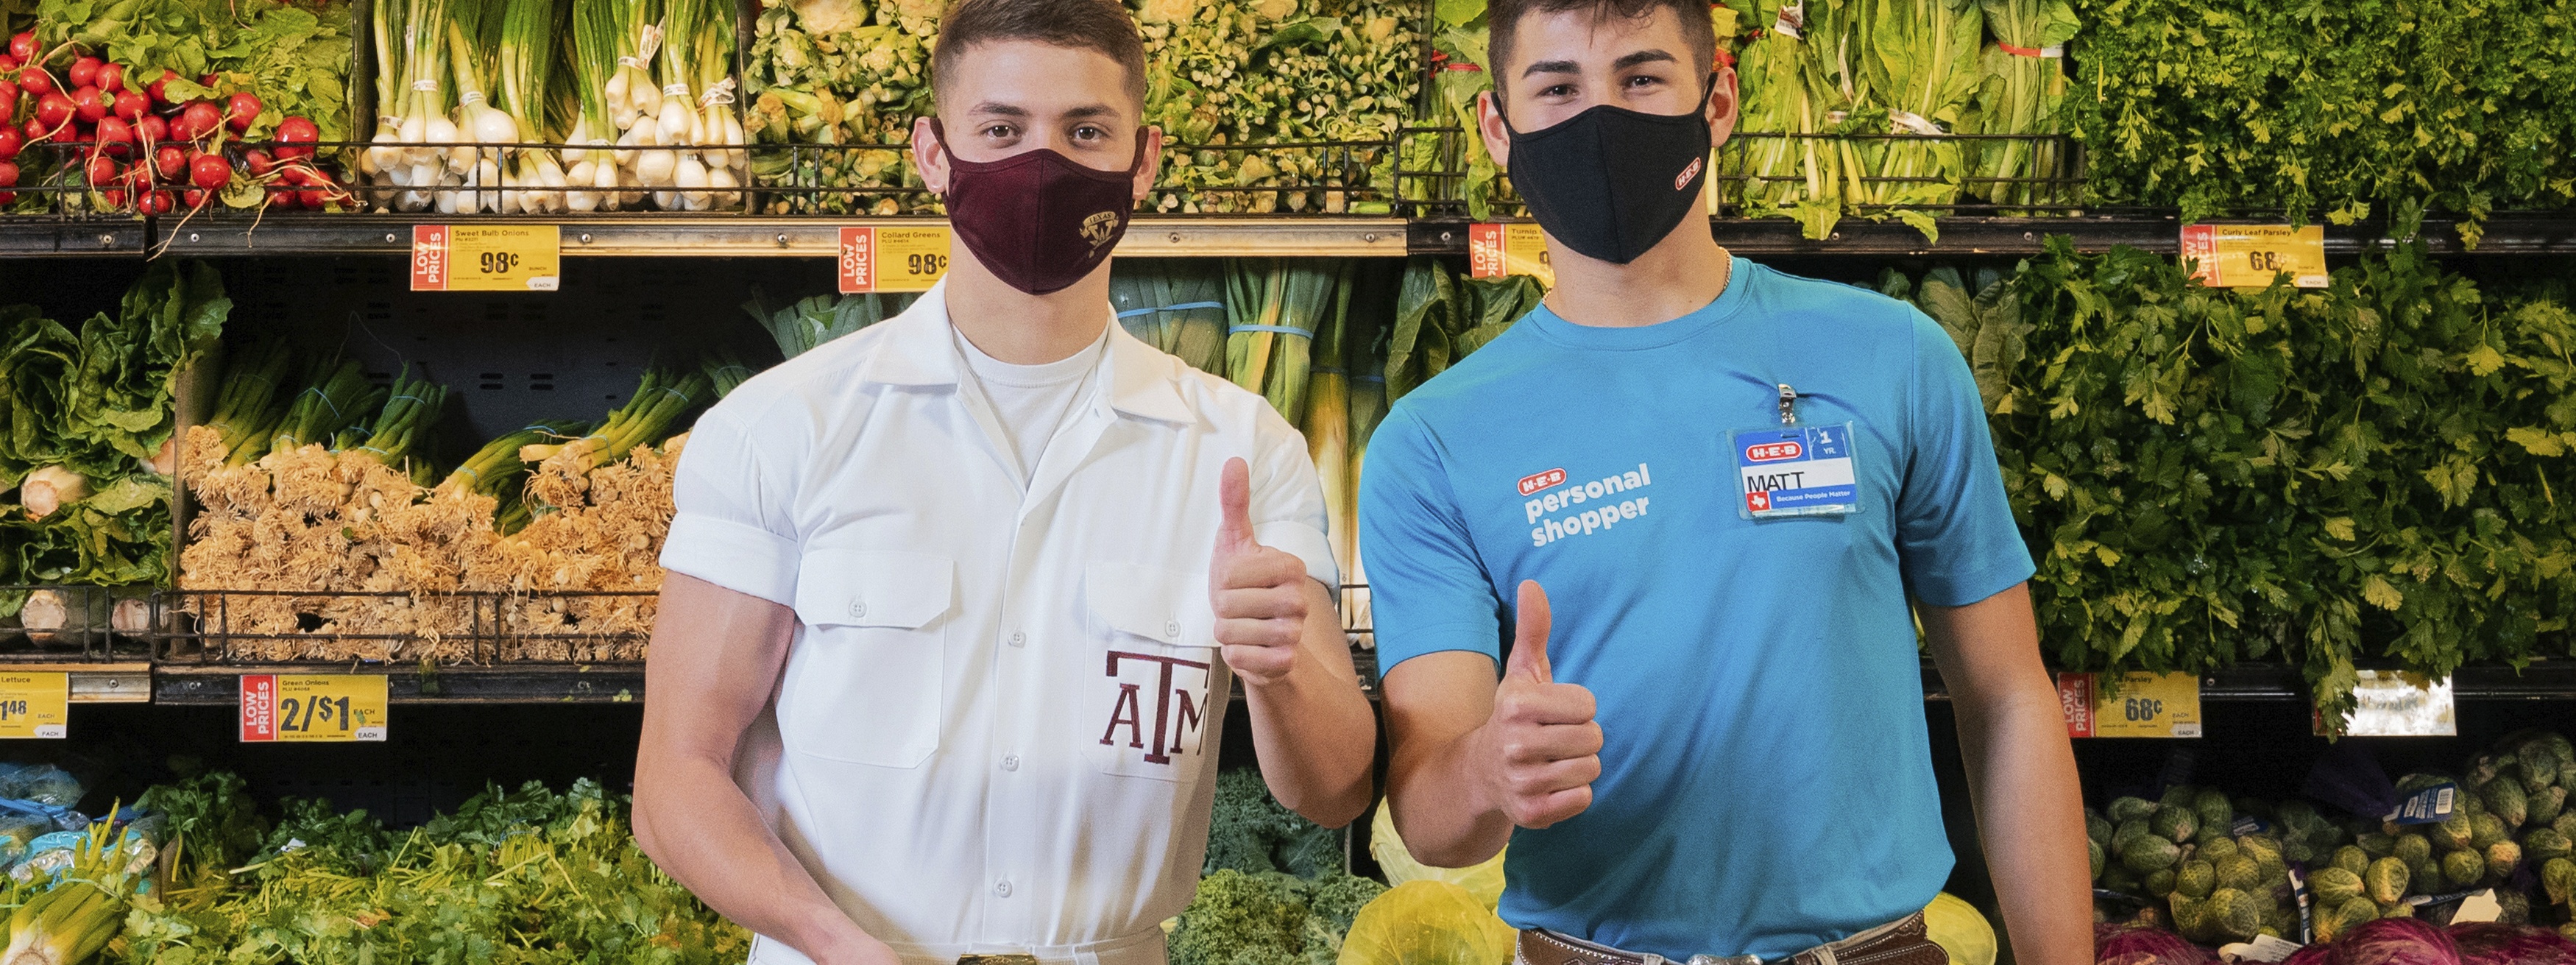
[(1157, 706), (868, 679)]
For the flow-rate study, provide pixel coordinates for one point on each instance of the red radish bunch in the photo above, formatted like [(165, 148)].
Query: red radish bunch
[(106, 114)]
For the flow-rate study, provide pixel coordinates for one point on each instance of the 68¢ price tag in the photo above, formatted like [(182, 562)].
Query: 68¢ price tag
[(887, 258), (2137, 705)]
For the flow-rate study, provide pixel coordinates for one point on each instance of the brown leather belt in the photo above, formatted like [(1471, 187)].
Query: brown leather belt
[(1897, 943)]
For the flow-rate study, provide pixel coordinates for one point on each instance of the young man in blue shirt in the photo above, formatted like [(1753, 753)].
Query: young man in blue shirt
[(1741, 488)]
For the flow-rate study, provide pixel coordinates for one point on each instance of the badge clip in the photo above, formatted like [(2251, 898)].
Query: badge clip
[(1788, 397)]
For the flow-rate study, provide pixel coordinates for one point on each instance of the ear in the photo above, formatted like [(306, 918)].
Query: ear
[(929, 156), (1153, 161), (1722, 105), (1489, 125)]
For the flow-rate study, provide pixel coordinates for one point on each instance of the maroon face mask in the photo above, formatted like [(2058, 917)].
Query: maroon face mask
[(1039, 220)]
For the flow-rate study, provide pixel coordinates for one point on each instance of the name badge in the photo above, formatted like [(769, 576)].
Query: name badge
[(1795, 471)]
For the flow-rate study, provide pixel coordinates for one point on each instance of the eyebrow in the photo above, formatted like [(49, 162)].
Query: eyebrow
[(1623, 63)]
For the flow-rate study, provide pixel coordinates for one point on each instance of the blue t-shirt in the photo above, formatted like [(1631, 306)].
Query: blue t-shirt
[(1766, 784)]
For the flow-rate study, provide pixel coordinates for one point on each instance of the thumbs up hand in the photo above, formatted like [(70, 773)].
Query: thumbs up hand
[(1258, 592), (1545, 748)]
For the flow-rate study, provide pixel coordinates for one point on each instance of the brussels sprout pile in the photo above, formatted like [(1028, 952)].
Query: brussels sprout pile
[(2220, 865)]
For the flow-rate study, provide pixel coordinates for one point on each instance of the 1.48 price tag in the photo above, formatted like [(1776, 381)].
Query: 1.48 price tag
[(2250, 256), (312, 707), (35, 704), (2139, 705), (486, 258), (1508, 248), (885, 258)]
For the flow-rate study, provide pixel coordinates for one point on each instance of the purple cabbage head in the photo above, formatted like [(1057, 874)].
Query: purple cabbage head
[(2139, 945), (2317, 954), (2395, 941), (2490, 943)]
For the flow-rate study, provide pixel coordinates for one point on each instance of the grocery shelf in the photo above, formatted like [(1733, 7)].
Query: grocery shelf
[(2544, 680), (749, 236), (601, 683)]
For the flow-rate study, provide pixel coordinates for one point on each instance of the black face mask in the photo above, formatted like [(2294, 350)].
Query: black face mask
[(1612, 182)]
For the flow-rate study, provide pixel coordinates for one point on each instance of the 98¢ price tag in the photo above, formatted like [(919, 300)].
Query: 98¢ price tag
[(35, 704), (886, 258), (312, 707), (2136, 705), (1508, 248), (486, 258)]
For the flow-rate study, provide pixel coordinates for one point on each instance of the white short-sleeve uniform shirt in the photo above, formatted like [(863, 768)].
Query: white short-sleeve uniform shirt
[(997, 727)]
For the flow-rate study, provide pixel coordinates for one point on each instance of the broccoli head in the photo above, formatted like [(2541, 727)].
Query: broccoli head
[(1243, 919)]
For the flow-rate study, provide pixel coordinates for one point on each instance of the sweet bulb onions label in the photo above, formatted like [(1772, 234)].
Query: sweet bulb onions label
[(488, 258)]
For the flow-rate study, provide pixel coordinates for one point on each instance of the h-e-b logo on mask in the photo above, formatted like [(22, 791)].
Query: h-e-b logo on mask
[(1099, 228)]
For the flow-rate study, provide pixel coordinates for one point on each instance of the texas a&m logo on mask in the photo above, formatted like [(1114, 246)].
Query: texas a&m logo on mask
[(1158, 713)]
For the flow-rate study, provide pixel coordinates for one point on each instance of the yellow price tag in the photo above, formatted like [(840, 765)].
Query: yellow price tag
[(312, 707), (35, 704), (486, 258), (886, 258), (2249, 256), (2139, 705), (1509, 248)]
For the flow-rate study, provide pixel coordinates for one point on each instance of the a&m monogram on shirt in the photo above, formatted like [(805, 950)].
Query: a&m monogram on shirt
[(1177, 711)]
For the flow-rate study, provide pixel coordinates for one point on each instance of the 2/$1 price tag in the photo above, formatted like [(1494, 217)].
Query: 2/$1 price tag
[(312, 707), (2138, 705), (886, 258), (486, 258), (2250, 256), (35, 704), (1508, 248)]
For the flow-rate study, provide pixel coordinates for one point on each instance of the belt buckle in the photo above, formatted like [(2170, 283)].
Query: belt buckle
[(997, 960), (1726, 960)]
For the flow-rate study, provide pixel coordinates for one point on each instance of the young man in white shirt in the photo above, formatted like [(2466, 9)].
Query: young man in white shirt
[(954, 602)]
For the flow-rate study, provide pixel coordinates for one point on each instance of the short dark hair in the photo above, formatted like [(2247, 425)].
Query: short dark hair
[(1503, 22), (1097, 25)]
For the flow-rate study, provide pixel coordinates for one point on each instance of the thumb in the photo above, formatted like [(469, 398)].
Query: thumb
[(1234, 499), (1529, 635)]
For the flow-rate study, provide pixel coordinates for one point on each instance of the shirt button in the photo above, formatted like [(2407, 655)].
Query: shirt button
[(1018, 638), (1003, 889), (1172, 629), (1010, 762), (858, 607)]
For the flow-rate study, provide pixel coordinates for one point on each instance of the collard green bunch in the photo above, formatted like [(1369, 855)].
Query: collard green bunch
[(519, 876), (2345, 108), (1441, 317), (1222, 77), (2218, 866), (2315, 476)]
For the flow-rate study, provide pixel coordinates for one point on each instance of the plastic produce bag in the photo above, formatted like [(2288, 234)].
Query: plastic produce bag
[(1485, 881), (1960, 930), (1427, 923), (41, 783)]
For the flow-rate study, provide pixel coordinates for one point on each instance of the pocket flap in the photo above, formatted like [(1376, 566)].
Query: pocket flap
[(874, 588), (1163, 605)]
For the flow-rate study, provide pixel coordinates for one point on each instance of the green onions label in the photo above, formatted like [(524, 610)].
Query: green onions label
[(312, 707)]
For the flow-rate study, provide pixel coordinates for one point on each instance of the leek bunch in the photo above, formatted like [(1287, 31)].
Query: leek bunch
[(1273, 308), (79, 911), (1174, 304)]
